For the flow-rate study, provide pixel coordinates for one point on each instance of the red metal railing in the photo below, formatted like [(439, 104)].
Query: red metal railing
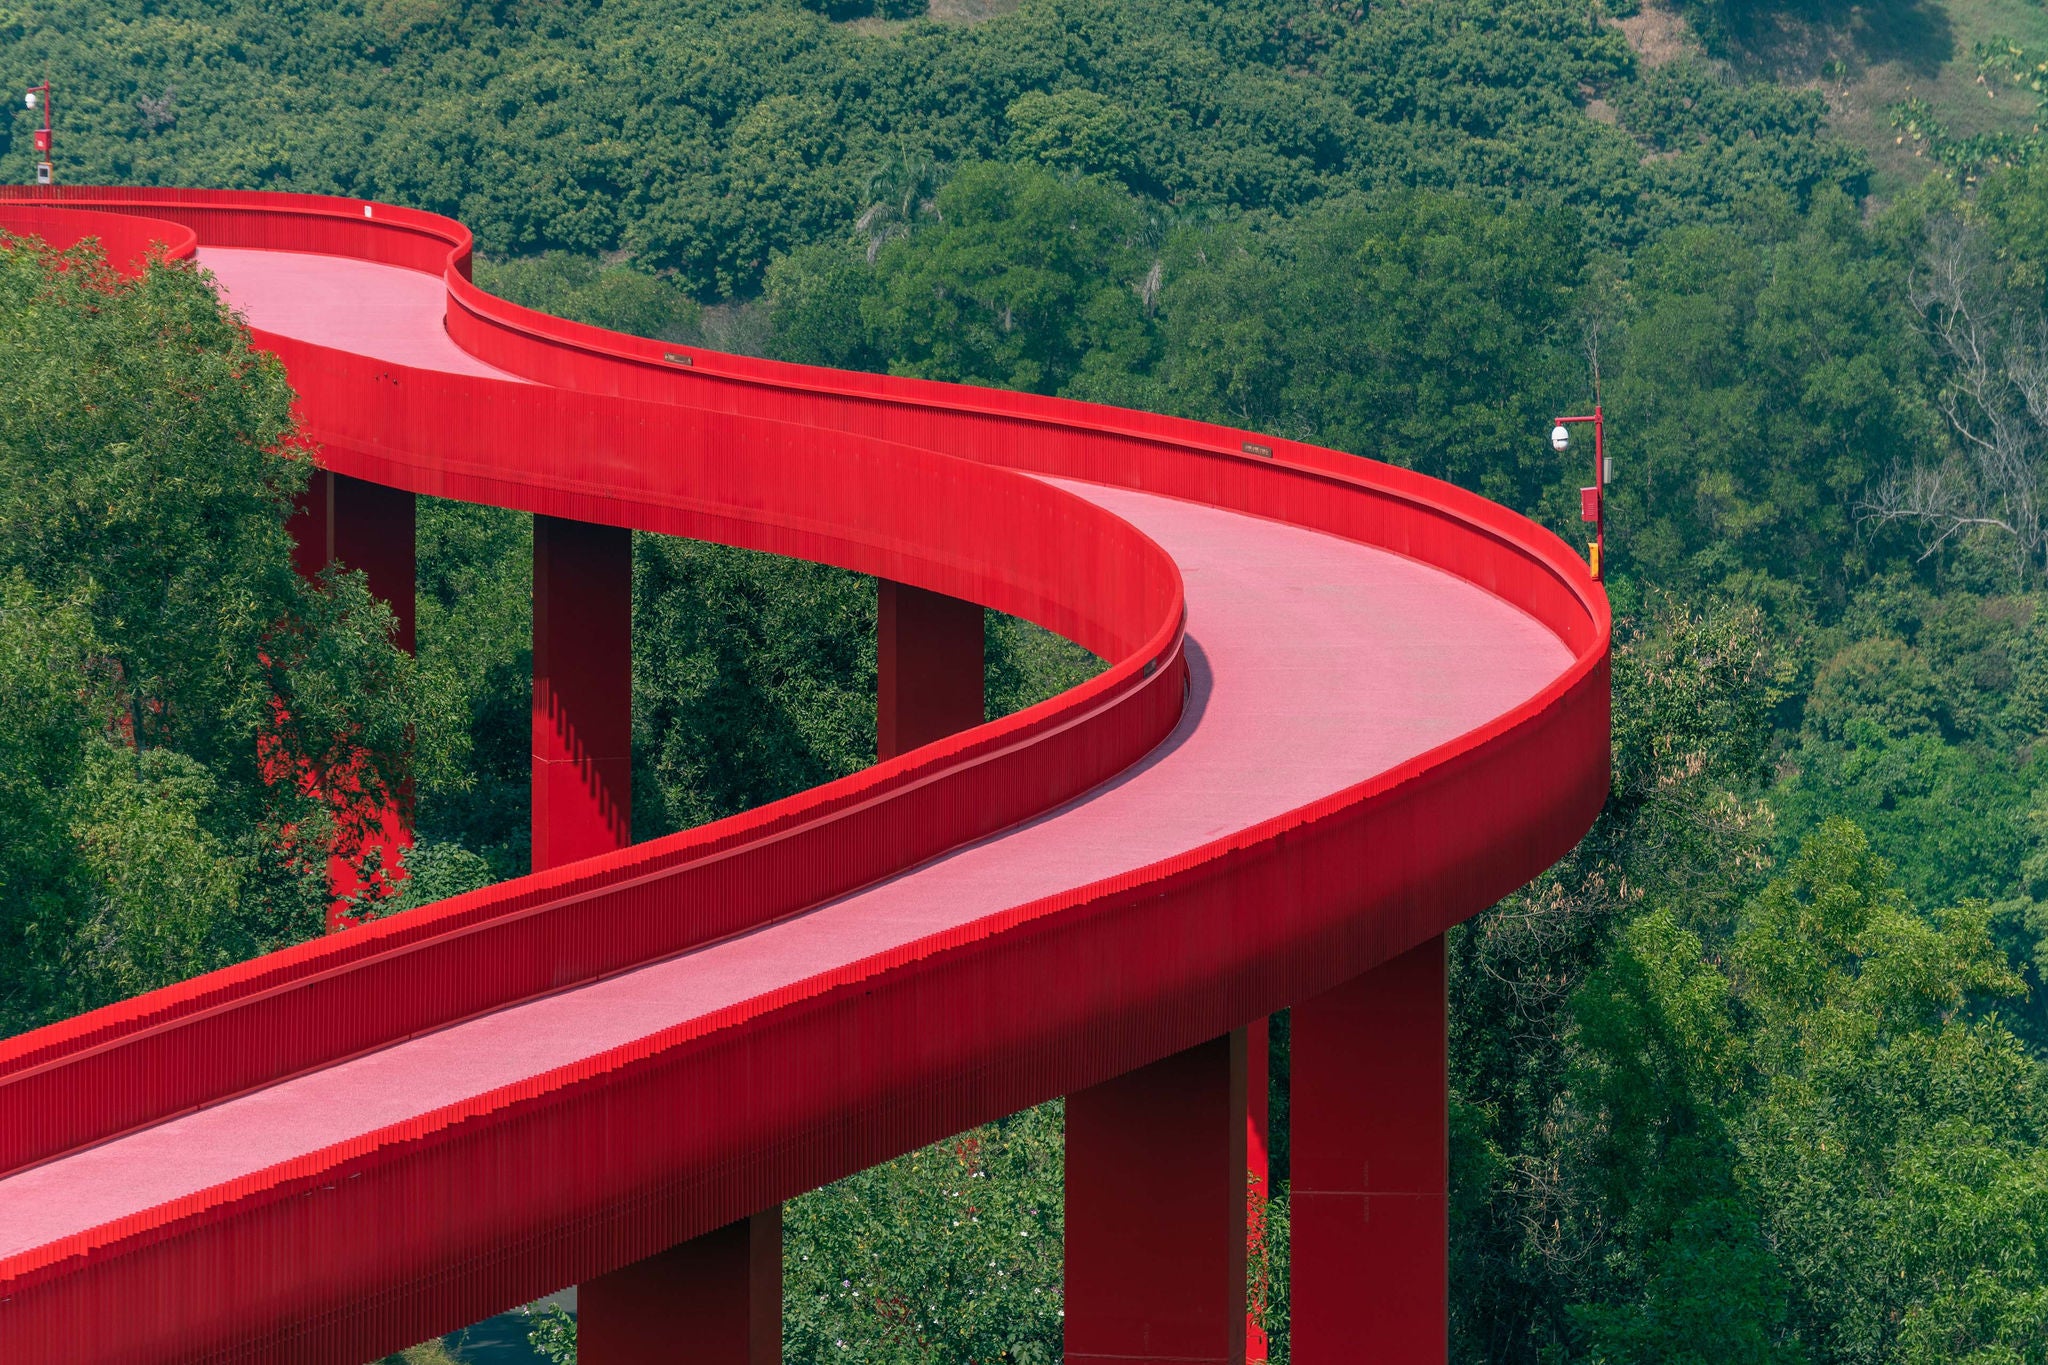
[(452, 1215)]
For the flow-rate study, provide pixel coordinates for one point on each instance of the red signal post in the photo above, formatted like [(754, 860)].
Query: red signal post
[(39, 95), (1592, 501)]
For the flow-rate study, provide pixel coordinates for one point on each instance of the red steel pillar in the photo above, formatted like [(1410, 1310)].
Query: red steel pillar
[(714, 1300), (369, 527), (1369, 1155), (928, 666), (1258, 1120), (582, 690), (1155, 1248)]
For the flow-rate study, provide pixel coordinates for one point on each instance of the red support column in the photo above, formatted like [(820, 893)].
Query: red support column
[(714, 1300), (1370, 1161), (373, 528), (365, 526), (1156, 1212), (369, 527), (928, 667), (582, 690), (1258, 1119)]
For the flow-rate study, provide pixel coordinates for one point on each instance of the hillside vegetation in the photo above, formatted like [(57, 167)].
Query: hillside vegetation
[(1757, 1073)]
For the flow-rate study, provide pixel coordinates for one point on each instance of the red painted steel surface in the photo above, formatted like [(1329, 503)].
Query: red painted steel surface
[(370, 528), (582, 690), (1369, 1153), (928, 667), (717, 1298), (1258, 1120), (714, 1300), (1155, 1218), (127, 239), (415, 1123)]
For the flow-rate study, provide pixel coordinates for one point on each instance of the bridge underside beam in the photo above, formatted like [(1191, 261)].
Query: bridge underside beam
[(1368, 1152), (928, 667), (582, 690), (1155, 1253)]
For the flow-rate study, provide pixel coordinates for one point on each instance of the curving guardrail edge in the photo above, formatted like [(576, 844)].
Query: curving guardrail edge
[(1534, 777), (128, 242)]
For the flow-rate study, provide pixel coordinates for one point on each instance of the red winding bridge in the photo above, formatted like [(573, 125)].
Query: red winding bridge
[(1346, 707)]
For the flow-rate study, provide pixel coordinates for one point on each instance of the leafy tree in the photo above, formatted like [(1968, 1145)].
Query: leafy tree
[(1761, 388), (754, 677), (474, 603), (613, 296), (1026, 281), (949, 1253), (1682, 836), (2014, 206), (177, 692), (1894, 1141), (53, 712), (1426, 329)]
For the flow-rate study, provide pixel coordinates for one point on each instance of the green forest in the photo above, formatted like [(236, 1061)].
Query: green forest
[(1758, 1074)]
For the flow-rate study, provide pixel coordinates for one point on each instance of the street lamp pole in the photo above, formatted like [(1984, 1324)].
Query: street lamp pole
[(1592, 501), (40, 95)]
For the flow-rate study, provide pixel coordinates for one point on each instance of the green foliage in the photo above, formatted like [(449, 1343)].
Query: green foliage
[(949, 1253), (1422, 328), (1798, 1135), (436, 871), (1426, 329), (863, 9), (1560, 1215), (1893, 1142), (817, 293), (1025, 281), (2014, 207), (611, 296), (53, 715), (1714, 1293), (1267, 1268), (1919, 723), (426, 1353), (169, 680), (754, 677), (707, 140), (554, 1337), (474, 605), (1765, 379), (1076, 130)]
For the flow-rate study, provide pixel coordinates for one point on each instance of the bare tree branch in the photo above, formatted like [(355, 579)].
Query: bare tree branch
[(1996, 403)]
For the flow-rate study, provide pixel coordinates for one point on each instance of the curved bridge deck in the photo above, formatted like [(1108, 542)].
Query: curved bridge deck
[(1368, 736)]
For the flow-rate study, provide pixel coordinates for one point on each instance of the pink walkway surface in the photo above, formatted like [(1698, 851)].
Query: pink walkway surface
[(1317, 663)]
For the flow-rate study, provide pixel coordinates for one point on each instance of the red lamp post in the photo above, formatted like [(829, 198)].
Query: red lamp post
[(1592, 501), (40, 95)]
